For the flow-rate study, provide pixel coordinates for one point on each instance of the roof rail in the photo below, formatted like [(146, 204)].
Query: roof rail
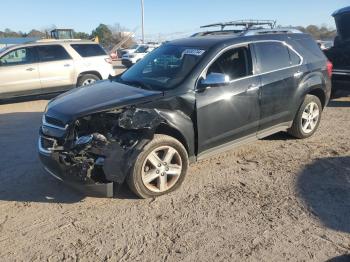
[(247, 24), (58, 40), (281, 30)]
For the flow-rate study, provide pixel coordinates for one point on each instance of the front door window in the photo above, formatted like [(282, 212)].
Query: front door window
[(19, 56)]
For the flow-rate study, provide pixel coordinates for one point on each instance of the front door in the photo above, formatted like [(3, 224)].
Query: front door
[(230, 111), (19, 73)]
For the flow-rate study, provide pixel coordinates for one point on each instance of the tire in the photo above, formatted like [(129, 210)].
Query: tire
[(300, 127), (147, 179), (87, 79)]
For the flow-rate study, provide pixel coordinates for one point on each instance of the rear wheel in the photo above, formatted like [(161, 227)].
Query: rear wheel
[(87, 79), (307, 118), (160, 168)]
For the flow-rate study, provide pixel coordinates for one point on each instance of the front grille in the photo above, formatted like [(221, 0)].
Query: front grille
[(54, 121)]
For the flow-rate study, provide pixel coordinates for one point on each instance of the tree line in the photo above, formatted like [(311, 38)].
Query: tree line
[(109, 35)]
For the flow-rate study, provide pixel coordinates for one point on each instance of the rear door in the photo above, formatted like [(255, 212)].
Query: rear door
[(56, 68), (19, 73), (231, 111), (278, 67)]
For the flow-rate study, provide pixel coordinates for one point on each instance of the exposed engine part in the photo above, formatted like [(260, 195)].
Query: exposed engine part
[(139, 119), (106, 144)]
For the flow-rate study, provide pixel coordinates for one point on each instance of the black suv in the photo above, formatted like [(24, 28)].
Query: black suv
[(186, 100), (339, 54)]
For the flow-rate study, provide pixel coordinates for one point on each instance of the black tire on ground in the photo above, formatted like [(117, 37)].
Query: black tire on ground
[(87, 77), (134, 179), (296, 129)]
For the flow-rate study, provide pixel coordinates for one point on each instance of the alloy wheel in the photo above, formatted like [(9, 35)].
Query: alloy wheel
[(161, 169), (88, 81), (310, 117)]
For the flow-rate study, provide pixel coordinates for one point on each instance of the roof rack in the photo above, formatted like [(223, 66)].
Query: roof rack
[(247, 24)]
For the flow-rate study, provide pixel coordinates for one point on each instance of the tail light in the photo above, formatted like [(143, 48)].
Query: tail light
[(108, 60), (329, 68)]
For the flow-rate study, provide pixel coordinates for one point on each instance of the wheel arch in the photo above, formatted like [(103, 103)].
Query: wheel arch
[(319, 92), (92, 72), (314, 84), (166, 129)]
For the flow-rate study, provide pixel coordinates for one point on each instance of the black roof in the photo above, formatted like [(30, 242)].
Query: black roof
[(209, 41), (342, 11)]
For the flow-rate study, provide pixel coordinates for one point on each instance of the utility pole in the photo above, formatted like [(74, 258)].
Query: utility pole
[(142, 22)]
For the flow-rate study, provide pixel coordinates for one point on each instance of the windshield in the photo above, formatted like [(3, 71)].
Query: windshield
[(141, 49), (165, 67), (134, 46)]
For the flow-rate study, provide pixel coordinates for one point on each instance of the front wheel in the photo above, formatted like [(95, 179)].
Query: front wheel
[(87, 80), (160, 167), (307, 118)]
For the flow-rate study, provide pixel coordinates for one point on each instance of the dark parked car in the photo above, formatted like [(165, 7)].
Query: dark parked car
[(186, 100), (339, 54)]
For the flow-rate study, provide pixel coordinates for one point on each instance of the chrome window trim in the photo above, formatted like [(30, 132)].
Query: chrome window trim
[(204, 71), (44, 123)]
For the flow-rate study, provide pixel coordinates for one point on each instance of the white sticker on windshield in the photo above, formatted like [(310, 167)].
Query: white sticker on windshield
[(196, 52)]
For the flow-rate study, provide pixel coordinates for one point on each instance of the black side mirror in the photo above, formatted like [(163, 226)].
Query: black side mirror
[(213, 79)]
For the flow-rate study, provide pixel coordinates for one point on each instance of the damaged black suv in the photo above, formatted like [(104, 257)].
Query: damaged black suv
[(187, 100)]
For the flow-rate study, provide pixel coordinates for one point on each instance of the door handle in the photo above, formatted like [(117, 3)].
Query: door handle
[(30, 69), (67, 65), (252, 88)]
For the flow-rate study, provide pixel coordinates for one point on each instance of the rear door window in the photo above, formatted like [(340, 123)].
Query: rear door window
[(89, 50), (272, 56), (52, 53)]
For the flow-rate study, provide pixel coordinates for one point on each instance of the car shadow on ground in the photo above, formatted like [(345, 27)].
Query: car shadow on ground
[(21, 174), (324, 187), (279, 136)]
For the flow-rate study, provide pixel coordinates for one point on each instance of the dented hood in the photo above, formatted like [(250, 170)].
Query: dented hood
[(342, 20), (102, 96)]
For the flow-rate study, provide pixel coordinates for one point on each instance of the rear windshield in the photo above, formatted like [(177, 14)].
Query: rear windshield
[(88, 50)]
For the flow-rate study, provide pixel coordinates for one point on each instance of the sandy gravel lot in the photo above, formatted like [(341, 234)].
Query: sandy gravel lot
[(279, 199)]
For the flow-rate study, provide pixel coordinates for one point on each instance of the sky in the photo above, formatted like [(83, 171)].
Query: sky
[(165, 17)]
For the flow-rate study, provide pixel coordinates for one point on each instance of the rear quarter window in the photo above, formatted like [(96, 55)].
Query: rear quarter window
[(309, 49), (89, 50), (294, 58), (272, 56)]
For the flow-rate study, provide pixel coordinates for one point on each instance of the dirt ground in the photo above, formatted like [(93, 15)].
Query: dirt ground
[(279, 199)]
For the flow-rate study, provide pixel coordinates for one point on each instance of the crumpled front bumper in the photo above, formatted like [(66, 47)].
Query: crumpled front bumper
[(58, 170)]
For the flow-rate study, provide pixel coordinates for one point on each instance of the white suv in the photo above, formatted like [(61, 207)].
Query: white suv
[(130, 59), (49, 66)]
